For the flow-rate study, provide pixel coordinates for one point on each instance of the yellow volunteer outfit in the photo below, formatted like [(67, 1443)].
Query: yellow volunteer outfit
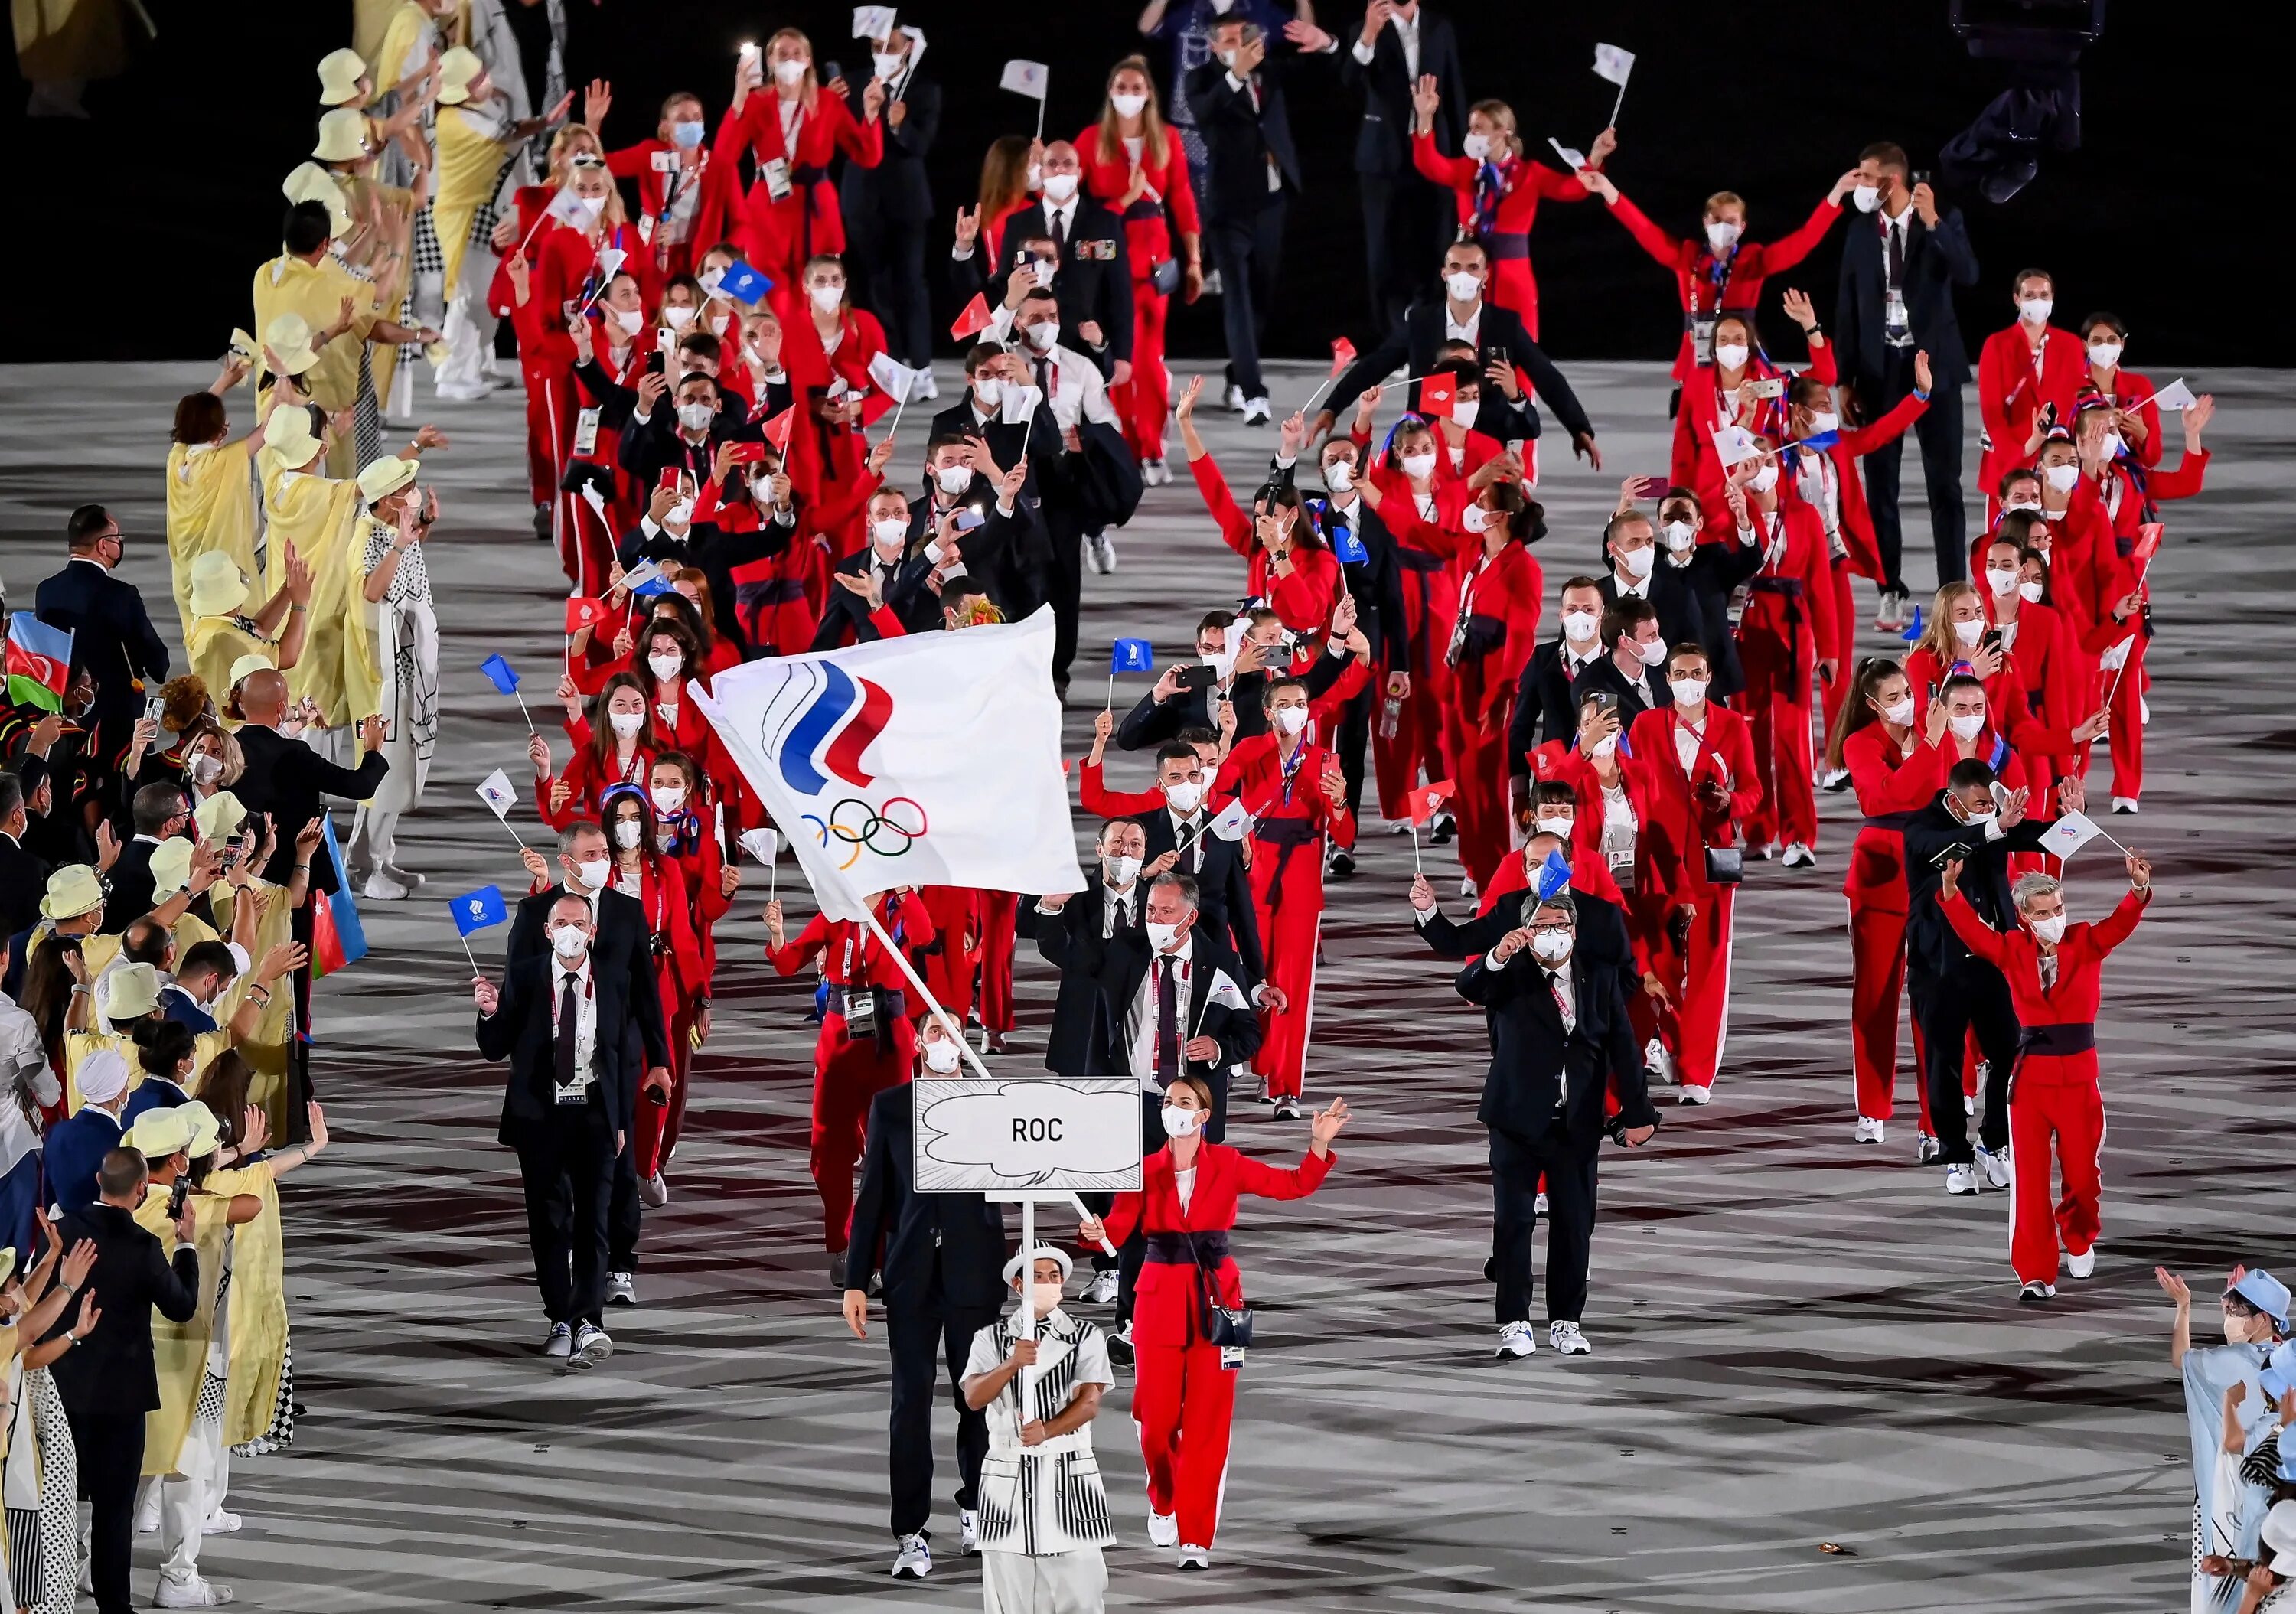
[(321, 517), (221, 631), (469, 161), (210, 510), (314, 292)]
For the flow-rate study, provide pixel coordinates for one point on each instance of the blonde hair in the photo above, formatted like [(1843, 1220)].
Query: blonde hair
[(808, 89), (1727, 198), (1940, 639), (1500, 113), (1110, 145)]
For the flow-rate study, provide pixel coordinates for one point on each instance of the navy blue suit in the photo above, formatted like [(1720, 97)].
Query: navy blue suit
[(112, 637), (75, 1150)]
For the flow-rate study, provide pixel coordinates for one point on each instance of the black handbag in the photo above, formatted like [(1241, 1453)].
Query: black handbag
[(1165, 277), (1724, 865), (1227, 1327)]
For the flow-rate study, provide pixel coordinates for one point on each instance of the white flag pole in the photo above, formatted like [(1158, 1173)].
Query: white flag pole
[(466, 949), (1615, 105), (522, 711), (1044, 95), (1028, 1284)]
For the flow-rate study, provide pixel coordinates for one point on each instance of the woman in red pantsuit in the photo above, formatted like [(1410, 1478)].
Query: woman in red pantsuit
[(640, 871), (1184, 1393), (1420, 503), (2021, 370), (1285, 562), (1133, 162), (620, 753), (792, 130), (1722, 394), (1491, 639), (1786, 632), (2055, 973), (684, 823)]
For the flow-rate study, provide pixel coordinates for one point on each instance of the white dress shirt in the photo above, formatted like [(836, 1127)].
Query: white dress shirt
[(1140, 1018), (1407, 34), (1456, 330), (1116, 908), (585, 1017)]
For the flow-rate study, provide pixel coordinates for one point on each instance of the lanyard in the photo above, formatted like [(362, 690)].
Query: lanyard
[(589, 983), (1292, 769), (1717, 271)]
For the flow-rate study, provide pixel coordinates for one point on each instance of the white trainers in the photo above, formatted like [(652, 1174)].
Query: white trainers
[(2082, 1265), (928, 390), (968, 1533), (1153, 473), (1994, 1167), (1539, 1204), (1800, 856), (1257, 412), (1969, 1100), (560, 1344), (1566, 1338), (1964, 1179), (592, 1343), (1197, 1558), (1926, 1148), (1102, 1290), (382, 888), (2124, 803), (622, 1287), (1099, 552), (2037, 1294), (1660, 1064), (1869, 1131), (654, 1194), (1234, 398), (1515, 1339), (1467, 885), (193, 1593), (220, 1523), (1694, 1094), (1163, 1530), (913, 1560)]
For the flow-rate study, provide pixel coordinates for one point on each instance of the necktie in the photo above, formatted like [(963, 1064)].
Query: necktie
[(1060, 230), (568, 1013), (1896, 235), (1168, 1024), (1562, 1004), (1045, 378)]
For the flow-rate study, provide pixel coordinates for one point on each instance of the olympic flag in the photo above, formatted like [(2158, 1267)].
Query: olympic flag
[(928, 760)]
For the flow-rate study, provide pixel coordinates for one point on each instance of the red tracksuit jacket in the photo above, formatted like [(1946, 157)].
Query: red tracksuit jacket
[(2080, 976), (1167, 1311)]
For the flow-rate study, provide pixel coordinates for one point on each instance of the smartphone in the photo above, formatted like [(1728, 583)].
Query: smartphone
[(748, 454), (655, 363), (673, 479), (968, 518), (665, 162), (1606, 700), (1252, 34), (1775, 386), (1956, 851), (177, 1196), (1920, 177), (1992, 641), (154, 705), (1652, 487), (832, 71), (1198, 676)]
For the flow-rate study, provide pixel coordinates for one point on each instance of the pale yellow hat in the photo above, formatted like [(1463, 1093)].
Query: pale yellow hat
[(171, 868), (218, 588), (311, 182), (205, 1134), (343, 136), (157, 1133), (289, 337), (458, 69), (254, 661), (133, 992), (72, 890), (385, 476), (340, 73), (220, 815), (287, 438)]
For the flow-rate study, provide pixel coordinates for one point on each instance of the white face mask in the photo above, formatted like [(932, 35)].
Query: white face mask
[(1339, 475), (1900, 712), (1043, 333), (1764, 479), (1721, 235), (1185, 796), (1045, 1297), (1474, 518), (1731, 355), (953, 479), (626, 725), (2051, 929), (2002, 580), (889, 533), (206, 770), (665, 668), (1060, 187), (2105, 355), (989, 391), (2113, 446), (1607, 746), (1121, 871), (677, 317), (1222, 664), (1551, 947), (1419, 467), (1966, 728), (941, 1057), (790, 74), (678, 514), (2036, 310), (1555, 823), (630, 320), (827, 298), (1227, 58), (1463, 411), (695, 417), (1638, 562), (1969, 632), (1292, 719), (669, 797), (888, 68), (1689, 692), (1653, 654), (627, 833), (1128, 106), (2014, 504), (1160, 937), (570, 942), (592, 875), (1822, 421), (1475, 148), (1181, 1123), (591, 207), (2031, 593), (2061, 479), (1866, 197), (1679, 535), (1578, 626), (1462, 286)]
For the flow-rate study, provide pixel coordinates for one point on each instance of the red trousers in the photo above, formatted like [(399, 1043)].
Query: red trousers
[(2072, 1114), (2125, 735), (1843, 650), (658, 1124), (1481, 804), (1877, 987), (997, 961), (1700, 1019), (1184, 1402), (1144, 403), (1776, 703), (847, 1075), (1417, 749), (1290, 933)]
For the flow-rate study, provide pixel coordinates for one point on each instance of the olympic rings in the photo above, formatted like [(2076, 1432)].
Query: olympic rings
[(883, 831)]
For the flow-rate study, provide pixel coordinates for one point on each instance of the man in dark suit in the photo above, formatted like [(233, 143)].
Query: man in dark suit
[(159, 813), (886, 574), (113, 635), (1223, 885), (886, 208), (1602, 922), (1463, 315), (1407, 219), (1899, 270), (1170, 708), (1083, 242), (1007, 554), (1344, 518), (1072, 932), (622, 946), (1626, 674), (1251, 169), (107, 1379), (942, 1261), (1954, 991), (1638, 571), (22, 876), (562, 1021), (1561, 1042), (1543, 708)]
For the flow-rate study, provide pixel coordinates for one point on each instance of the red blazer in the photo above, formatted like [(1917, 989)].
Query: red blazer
[(1887, 782), (1693, 464), (2049, 662), (1167, 1310), (1306, 599), (1856, 518), (1503, 596), (1658, 860), (1526, 184), (850, 953), (699, 862), (2128, 387), (1254, 772), (1431, 589), (2080, 976), (1695, 266), (669, 915), (1101, 802), (2011, 393), (781, 235), (1804, 562), (1725, 753), (587, 780), (1169, 206), (720, 195)]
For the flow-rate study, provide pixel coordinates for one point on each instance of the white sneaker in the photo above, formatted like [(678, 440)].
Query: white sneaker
[(622, 1287), (560, 1344), (1869, 1131), (1969, 1100), (1926, 1148), (1800, 856), (382, 888), (1102, 1290), (927, 388), (968, 1533), (2037, 1294), (1994, 1167), (592, 1343), (1566, 1338), (654, 1194), (1835, 779), (1163, 1530), (913, 1560), (220, 1523), (406, 877), (1099, 552), (1659, 1063), (1539, 1204), (465, 392), (193, 1593), (1964, 1179), (1515, 1339), (1287, 1109), (1467, 885), (2124, 803), (1398, 826), (1154, 473), (1693, 1094), (1195, 1558), (1257, 412), (2082, 1265), (1234, 398)]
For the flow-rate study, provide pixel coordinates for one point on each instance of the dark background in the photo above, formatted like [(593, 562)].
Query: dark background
[(148, 222)]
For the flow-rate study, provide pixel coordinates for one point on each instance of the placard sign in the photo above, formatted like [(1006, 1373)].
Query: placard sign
[(1036, 1134)]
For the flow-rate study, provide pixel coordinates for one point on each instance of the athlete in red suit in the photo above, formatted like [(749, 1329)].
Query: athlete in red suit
[(1491, 640), (684, 196), (1184, 1395), (1727, 392), (1420, 502), (1703, 757), (792, 128), (2055, 975), (2021, 371), (1286, 563), (659, 884), (1787, 631)]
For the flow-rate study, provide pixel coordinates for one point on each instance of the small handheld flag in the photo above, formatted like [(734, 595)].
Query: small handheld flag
[(38, 662), (505, 677), (610, 261), (1343, 354), (1132, 656), (1234, 822), (764, 845), (894, 379), (2068, 834), (583, 612), (1027, 79), (1419, 809), (499, 794), (646, 579), (2148, 541), (744, 284), (1573, 158), (1913, 634), (2175, 395), (1616, 66), (1438, 394), (871, 21), (1734, 444), (777, 430), (975, 319), (1553, 876), (1349, 546), (338, 939), (475, 910)]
